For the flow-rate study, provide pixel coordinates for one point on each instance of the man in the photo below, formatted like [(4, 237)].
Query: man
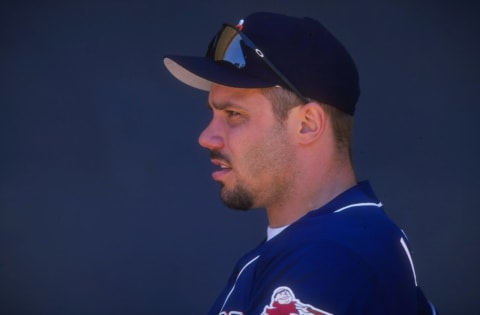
[(283, 91)]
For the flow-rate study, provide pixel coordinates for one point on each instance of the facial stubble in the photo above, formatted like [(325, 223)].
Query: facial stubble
[(272, 156)]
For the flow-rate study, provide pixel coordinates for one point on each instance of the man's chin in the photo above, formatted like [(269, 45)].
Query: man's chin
[(238, 198)]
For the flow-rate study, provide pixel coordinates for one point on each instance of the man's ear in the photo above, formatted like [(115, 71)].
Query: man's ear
[(311, 119)]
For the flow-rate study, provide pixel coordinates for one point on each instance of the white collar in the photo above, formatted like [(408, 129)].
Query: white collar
[(272, 232)]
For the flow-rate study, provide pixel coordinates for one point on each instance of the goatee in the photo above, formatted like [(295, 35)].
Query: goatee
[(237, 198)]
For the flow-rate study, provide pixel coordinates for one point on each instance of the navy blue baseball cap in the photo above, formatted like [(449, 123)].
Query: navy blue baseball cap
[(268, 49)]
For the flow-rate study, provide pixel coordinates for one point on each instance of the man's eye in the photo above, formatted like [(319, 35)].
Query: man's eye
[(231, 113)]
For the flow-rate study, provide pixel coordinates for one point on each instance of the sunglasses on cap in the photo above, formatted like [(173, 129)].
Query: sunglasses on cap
[(226, 46)]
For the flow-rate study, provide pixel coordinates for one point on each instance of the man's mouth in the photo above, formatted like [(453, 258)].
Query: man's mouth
[(223, 169), (221, 164)]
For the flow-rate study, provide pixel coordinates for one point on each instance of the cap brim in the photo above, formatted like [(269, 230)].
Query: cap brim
[(201, 72)]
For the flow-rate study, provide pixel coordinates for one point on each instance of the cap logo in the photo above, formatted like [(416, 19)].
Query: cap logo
[(240, 25)]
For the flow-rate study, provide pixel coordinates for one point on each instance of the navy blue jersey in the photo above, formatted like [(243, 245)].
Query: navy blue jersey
[(347, 257)]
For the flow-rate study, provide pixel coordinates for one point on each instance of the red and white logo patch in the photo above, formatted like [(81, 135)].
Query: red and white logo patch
[(284, 303)]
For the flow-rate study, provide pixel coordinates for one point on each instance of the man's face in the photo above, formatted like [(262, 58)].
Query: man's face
[(283, 297), (250, 147)]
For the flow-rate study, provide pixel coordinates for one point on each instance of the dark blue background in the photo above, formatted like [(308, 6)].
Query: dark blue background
[(106, 200)]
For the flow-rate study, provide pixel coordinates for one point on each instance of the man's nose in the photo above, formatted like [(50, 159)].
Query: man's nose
[(211, 138)]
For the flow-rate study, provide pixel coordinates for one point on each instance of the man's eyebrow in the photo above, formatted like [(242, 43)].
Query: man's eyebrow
[(219, 106)]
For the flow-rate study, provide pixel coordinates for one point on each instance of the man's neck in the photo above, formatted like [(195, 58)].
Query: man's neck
[(313, 192)]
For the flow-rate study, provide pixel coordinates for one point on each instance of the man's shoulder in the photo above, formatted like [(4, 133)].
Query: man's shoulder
[(362, 223), (343, 257), (364, 236)]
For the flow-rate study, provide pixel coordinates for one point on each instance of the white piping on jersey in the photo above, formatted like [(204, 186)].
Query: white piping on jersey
[(407, 251), (402, 241), (432, 308), (238, 276), (364, 204)]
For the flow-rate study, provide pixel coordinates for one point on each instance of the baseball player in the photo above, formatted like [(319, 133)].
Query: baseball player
[(283, 92)]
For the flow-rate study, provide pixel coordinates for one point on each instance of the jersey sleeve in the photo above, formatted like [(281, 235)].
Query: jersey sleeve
[(317, 278)]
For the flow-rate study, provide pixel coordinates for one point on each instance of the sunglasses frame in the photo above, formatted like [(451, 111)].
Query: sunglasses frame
[(249, 43)]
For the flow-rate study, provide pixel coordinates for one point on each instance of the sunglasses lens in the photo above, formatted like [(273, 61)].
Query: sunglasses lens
[(226, 46)]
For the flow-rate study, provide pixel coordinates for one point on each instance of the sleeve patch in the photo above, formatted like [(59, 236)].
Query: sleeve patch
[(283, 302)]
